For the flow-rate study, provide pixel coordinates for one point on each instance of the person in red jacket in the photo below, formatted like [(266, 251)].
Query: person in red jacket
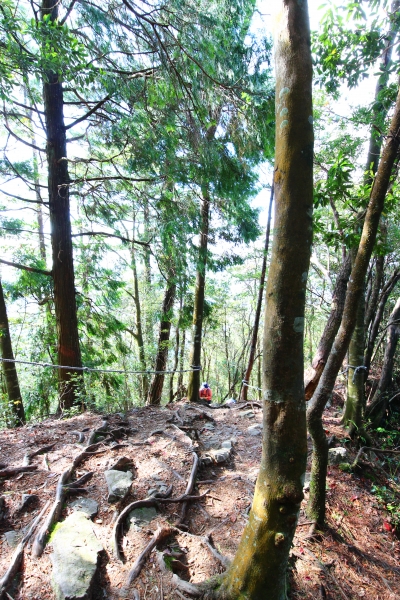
[(205, 393)]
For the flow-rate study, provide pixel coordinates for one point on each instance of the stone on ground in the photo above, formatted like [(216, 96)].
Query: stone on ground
[(139, 517), (74, 558), (337, 456), (119, 483), (87, 505), (255, 429)]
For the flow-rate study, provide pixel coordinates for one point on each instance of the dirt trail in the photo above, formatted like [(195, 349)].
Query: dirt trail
[(358, 557)]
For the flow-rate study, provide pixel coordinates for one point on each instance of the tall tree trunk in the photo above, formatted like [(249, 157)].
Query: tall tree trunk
[(259, 569), (69, 353), (253, 343), (355, 401), (138, 324), (316, 504), (198, 309), (378, 404), (9, 368), (157, 384), (314, 372)]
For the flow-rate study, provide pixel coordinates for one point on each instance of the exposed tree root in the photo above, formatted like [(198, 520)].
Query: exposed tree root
[(160, 534), (250, 405), (63, 488), (147, 502), (189, 489), (29, 455), (10, 471), (16, 559), (80, 434)]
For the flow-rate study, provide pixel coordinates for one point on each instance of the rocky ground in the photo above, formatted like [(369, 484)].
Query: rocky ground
[(213, 454)]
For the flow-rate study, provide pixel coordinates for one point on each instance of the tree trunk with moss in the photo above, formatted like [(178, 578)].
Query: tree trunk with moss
[(259, 569), (355, 401), (9, 368), (316, 504), (254, 335)]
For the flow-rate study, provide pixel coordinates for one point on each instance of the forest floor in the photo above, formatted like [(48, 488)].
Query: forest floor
[(358, 556)]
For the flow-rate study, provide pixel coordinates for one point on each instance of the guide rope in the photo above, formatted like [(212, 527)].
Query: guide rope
[(94, 370)]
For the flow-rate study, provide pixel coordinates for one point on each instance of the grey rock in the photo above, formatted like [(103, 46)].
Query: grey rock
[(255, 429), (74, 558), (249, 414), (87, 505), (221, 455), (226, 444), (140, 517), (211, 442), (306, 485), (209, 426), (123, 464), (337, 456), (119, 484), (28, 500), (13, 538)]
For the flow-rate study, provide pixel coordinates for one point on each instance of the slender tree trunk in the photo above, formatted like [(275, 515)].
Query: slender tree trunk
[(194, 376), (376, 323), (355, 401), (176, 355), (314, 372), (253, 343), (69, 354), (148, 316), (378, 404), (372, 301), (316, 504), (182, 359), (259, 569), (9, 368), (138, 324), (157, 384)]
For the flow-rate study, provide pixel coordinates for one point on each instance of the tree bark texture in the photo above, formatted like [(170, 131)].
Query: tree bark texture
[(9, 368), (69, 354), (256, 326), (198, 309), (259, 569), (378, 404), (373, 298), (355, 401), (316, 504), (314, 372), (157, 383)]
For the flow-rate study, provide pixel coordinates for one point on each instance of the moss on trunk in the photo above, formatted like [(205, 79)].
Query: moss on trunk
[(258, 571)]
